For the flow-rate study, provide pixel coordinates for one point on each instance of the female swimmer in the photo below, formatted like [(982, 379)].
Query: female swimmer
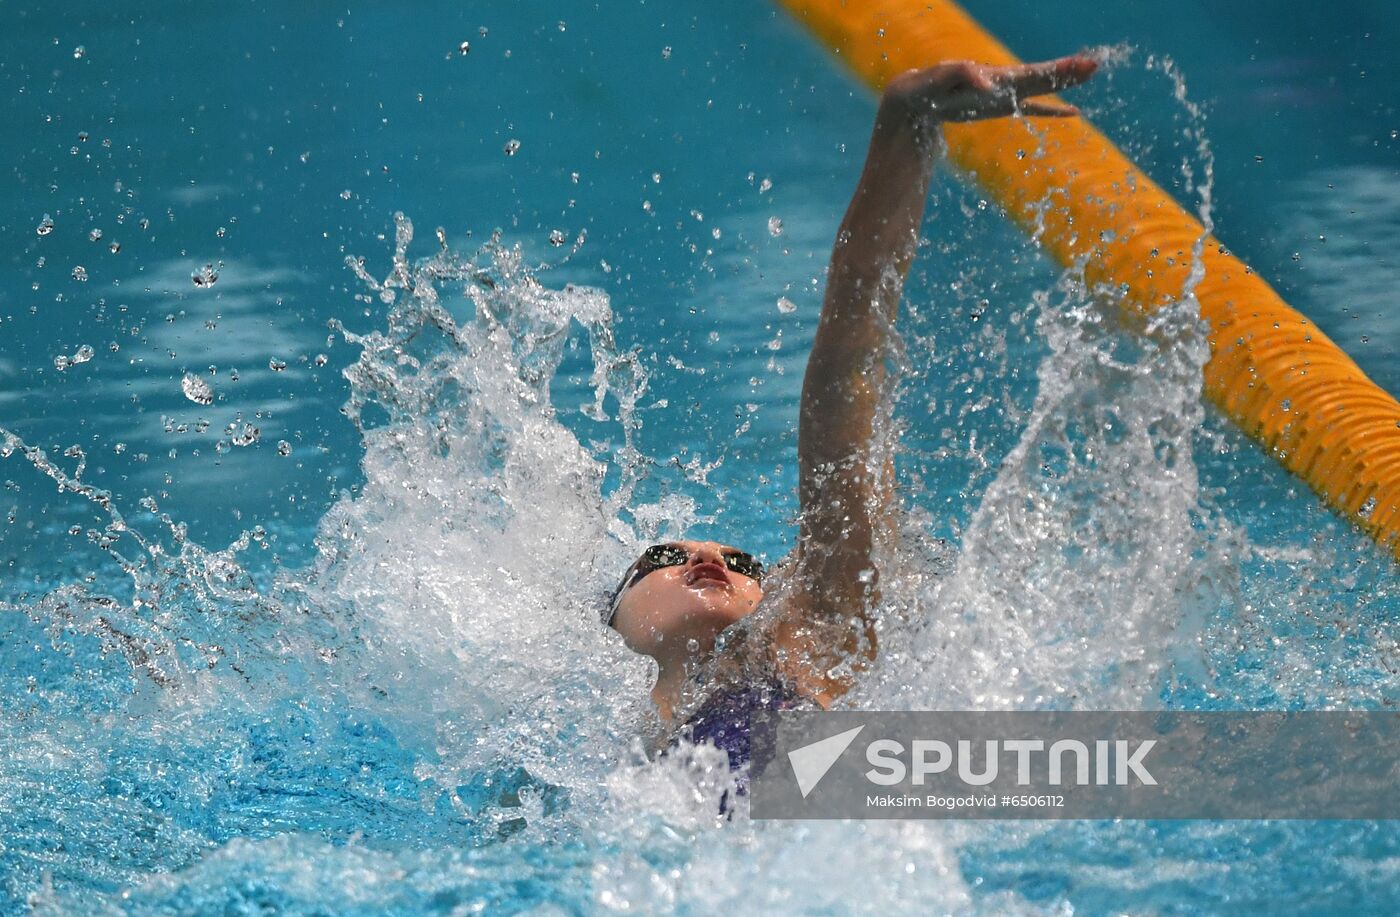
[(816, 630)]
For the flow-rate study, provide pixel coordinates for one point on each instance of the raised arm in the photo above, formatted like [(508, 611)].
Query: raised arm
[(845, 488)]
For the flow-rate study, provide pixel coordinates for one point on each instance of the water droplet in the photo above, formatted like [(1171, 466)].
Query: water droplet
[(205, 277), (692, 645), (221, 232), (656, 178), (321, 359), (1285, 405), (284, 447), (557, 237), (1297, 256), (465, 48), (1258, 158), (1365, 339), (196, 389), (765, 186), (715, 232), (786, 306), (346, 194), (45, 226), (63, 361), (276, 365), (244, 435), (94, 235), (82, 136), (573, 177), (512, 147), (563, 26), (79, 52), (1367, 508), (80, 274), (775, 226), (482, 31), (666, 53)]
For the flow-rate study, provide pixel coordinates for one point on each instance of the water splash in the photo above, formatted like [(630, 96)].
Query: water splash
[(472, 551)]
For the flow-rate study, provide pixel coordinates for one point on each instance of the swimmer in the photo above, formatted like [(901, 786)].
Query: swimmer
[(681, 600)]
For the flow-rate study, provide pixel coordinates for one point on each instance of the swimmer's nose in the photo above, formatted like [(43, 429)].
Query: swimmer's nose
[(706, 554)]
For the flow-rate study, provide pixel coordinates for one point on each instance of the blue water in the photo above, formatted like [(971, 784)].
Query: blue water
[(348, 666)]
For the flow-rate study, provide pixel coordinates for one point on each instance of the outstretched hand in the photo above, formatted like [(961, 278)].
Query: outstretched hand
[(964, 91)]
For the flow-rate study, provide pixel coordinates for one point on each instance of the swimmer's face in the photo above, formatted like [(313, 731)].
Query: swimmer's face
[(661, 613)]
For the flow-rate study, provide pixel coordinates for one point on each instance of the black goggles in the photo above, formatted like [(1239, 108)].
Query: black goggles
[(673, 555)]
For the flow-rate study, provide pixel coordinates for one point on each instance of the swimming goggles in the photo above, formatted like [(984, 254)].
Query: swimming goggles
[(659, 556)]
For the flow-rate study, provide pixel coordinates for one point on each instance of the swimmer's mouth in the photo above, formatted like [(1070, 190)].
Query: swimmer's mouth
[(706, 571)]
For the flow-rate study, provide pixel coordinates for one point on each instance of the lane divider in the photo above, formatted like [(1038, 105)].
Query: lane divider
[(1271, 370)]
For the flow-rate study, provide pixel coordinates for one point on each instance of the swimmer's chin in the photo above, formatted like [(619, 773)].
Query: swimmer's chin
[(711, 618)]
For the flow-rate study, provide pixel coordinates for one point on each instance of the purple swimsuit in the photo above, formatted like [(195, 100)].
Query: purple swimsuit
[(724, 719)]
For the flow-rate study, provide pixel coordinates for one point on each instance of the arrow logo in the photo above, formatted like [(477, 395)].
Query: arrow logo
[(811, 762)]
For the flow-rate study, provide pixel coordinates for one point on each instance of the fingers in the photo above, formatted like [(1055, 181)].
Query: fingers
[(1037, 109), (967, 91), (1050, 76), (980, 79)]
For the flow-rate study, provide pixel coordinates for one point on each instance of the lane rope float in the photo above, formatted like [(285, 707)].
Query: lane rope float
[(1272, 371)]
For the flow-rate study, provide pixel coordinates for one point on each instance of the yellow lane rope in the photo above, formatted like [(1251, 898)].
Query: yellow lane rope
[(1271, 370)]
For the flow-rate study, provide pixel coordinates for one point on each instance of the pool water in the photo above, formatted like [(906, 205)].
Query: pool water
[(346, 356)]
